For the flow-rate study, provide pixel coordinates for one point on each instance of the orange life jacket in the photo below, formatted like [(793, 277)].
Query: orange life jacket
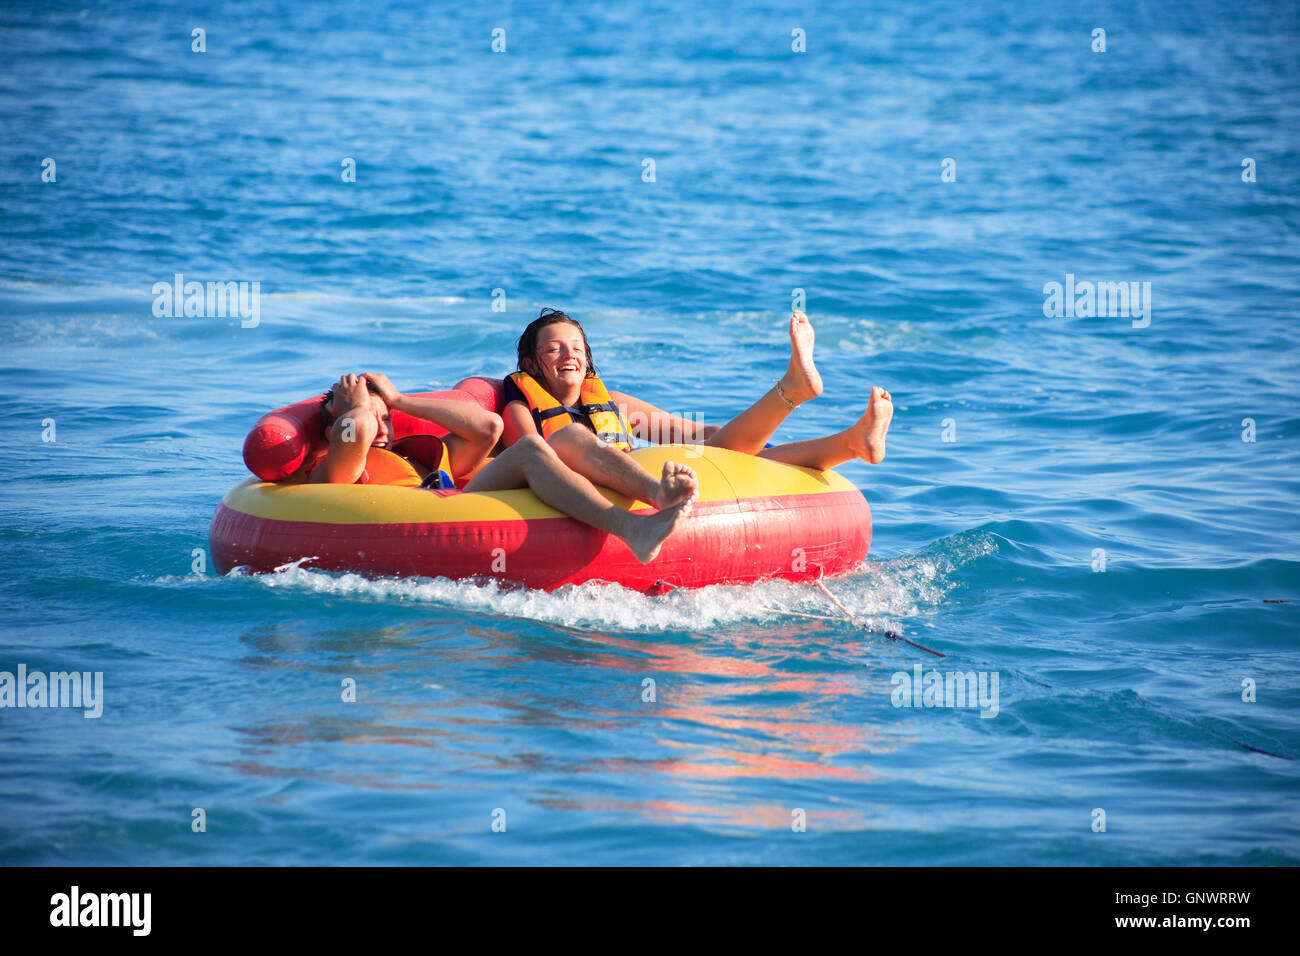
[(432, 453), (386, 466), (595, 407)]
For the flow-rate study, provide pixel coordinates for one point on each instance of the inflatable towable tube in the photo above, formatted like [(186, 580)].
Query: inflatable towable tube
[(755, 519)]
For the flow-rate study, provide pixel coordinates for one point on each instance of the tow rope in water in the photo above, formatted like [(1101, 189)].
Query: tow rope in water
[(895, 636), (888, 632)]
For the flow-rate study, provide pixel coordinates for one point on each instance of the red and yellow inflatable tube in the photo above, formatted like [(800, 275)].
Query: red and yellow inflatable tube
[(755, 519)]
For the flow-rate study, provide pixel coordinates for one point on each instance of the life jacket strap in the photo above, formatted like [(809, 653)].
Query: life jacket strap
[(546, 413)]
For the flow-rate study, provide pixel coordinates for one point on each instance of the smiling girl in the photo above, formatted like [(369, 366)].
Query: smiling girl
[(556, 387)]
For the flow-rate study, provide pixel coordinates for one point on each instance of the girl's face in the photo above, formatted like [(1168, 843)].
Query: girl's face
[(561, 356)]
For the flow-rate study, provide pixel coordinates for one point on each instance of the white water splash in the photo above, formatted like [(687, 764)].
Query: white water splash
[(878, 596)]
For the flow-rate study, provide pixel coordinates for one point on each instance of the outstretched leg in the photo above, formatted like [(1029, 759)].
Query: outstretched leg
[(532, 463), (749, 431), (865, 439)]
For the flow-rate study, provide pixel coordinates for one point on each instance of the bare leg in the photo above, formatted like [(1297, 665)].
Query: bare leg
[(865, 439), (605, 465), (749, 431), (531, 463)]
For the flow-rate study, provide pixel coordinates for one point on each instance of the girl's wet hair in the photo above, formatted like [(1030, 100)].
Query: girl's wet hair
[(527, 345)]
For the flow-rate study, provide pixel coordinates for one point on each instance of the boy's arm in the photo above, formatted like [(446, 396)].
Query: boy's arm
[(474, 430), (350, 441), (460, 418)]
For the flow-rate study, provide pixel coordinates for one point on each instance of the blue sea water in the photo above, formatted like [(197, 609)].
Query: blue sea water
[(1068, 502)]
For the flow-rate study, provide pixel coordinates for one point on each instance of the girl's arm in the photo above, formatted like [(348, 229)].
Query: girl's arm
[(518, 422), (649, 423)]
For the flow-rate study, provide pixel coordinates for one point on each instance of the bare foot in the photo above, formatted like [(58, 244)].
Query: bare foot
[(801, 380), (677, 484), (646, 533), (867, 437)]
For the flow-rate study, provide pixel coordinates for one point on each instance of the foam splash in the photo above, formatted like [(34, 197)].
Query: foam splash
[(878, 596)]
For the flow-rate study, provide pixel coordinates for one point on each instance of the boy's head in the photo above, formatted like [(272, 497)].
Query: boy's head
[(331, 407)]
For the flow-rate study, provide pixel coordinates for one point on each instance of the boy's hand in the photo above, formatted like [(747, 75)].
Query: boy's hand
[(384, 388), (350, 392)]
